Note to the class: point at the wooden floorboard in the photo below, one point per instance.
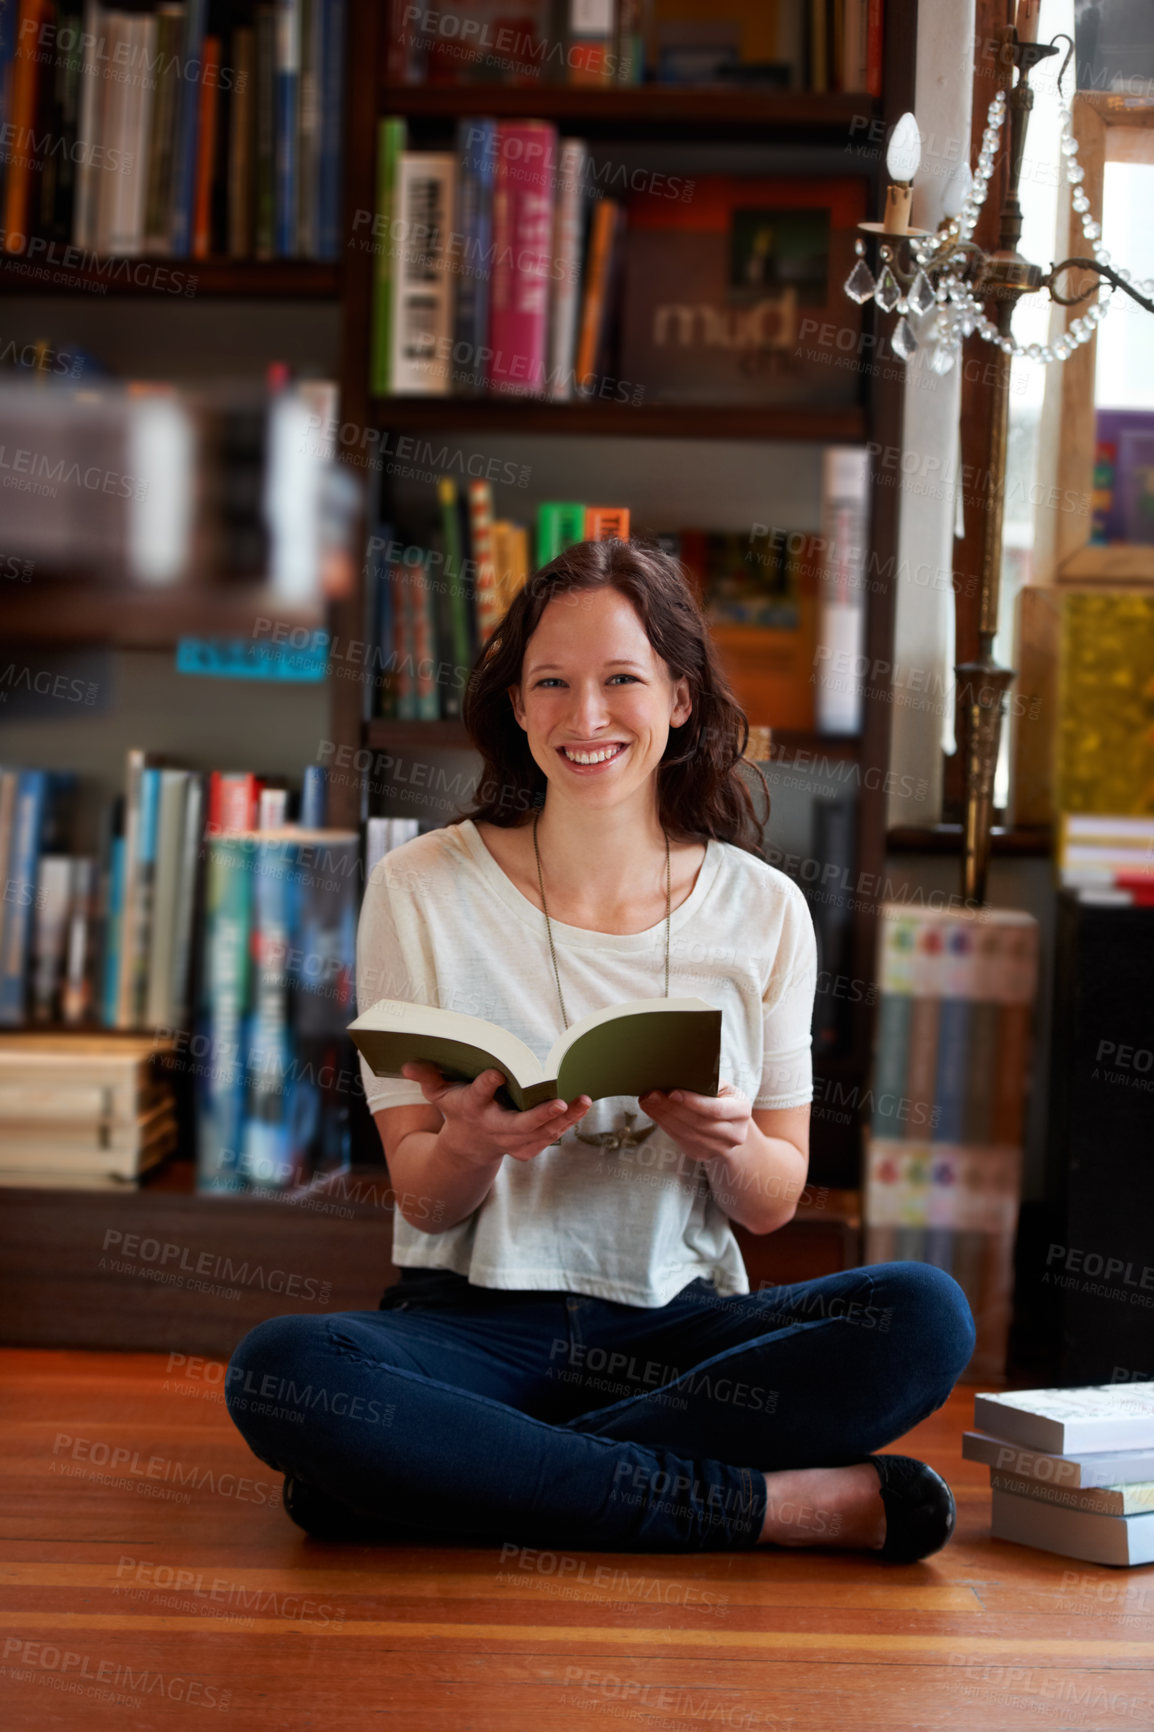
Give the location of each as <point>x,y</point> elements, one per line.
<point>132,1611</point>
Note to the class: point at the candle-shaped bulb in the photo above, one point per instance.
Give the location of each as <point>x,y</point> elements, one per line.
<point>1027,20</point>
<point>904,151</point>
<point>958,189</point>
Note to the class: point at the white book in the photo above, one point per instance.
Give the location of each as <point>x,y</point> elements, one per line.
<point>1086,1469</point>
<point>1095,1539</point>
<point>564,313</point>
<point>422,329</point>
<point>1134,1499</point>
<point>1102,1416</point>
<point>841,618</point>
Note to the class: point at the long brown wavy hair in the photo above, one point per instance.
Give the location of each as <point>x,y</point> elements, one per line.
<point>700,791</point>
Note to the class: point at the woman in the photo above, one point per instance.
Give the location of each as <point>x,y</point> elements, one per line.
<point>572,1354</point>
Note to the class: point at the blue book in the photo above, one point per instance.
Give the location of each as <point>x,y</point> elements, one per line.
<point>268,1155</point>
<point>331,83</point>
<point>224,1011</point>
<point>287,99</point>
<point>314,797</point>
<point>146,836</point>
<point>20,891</point>
<point>113,926</point>
<point>476,156</point>
<point>187,128</point>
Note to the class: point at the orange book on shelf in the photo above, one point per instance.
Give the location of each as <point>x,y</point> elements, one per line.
<point>22,87</point>
<point>601,228</point>
<point>206,149</point>
<point>607,523</point>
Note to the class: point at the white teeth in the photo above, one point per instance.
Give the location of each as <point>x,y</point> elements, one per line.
<point>592,757</point>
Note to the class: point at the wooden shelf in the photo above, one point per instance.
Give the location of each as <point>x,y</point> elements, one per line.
<point>689,111</point>
<point>521,415</point>
<point>1116,562</point>
<point>117,617</point>
<point>1034,841</point>
<point>169,281</point>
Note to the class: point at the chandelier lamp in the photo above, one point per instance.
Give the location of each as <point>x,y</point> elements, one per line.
<point>943,288</point>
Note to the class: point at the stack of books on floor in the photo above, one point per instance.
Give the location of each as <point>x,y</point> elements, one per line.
<point>1107,859</point>
<point>1072,1470</point>
<point>948,1101</point>
<point>83,1112</point>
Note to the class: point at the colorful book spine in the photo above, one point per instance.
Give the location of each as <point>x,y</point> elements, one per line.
<point>264,141</point>
<point>268,1109</point>
<point>476,157</point>
<point>334,29</point>
<point>560,523</point>
<point>220,1116</point>
<point>288,69</point>
<point>425,647</point>
<point>20,892</point>
<point>188,114</point>
<point>522,238</point>
<point>487,602</point>
<point>113,934</point>
<point>455,589</point>
<point>841,618</point>
<point>391,135</point>
<point>606,523</point>
<point>207,146</point>
<point>565,311</point>
<point>422,300</point>
<point>594,298</point>
<point>404,643</point>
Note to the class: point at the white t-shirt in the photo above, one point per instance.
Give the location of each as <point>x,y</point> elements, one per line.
<point>443,924</point>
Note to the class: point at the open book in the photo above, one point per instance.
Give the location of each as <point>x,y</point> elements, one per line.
<point>626,1049</point>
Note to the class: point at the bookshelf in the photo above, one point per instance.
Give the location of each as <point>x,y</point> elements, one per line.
<point>740,123</point>
<point>57,1302</point>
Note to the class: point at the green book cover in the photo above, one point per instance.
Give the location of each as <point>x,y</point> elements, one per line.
<point>626,1049</point>
<point>391,138</point>
<point>559,524</point>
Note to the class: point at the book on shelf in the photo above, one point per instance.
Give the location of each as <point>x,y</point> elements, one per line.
<point>1070,1469</point>
<point>725,294</point>
<point>626,1049</point>
<point>794,44</point>
<point>431,609</point>
<point>947,1101</point>
<point>841,631</point>
<point>423,286</point>
<point>84,1110</point>
<point>1102,852</point>
<point>759,593</point>
<point>276,987</point>
<point>242,161</point>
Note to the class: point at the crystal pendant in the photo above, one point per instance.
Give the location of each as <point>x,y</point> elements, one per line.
<point>859,285</point>
<point>942,359</point>
<point>903,342</point>
<point>888,292</point>
<point>921,294</point>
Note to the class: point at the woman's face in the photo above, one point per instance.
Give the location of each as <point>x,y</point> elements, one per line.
<point>592,683</point>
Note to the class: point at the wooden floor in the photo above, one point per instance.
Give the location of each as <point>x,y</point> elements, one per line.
<point>128,1610</point>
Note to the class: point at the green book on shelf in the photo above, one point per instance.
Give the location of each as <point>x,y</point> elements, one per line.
<point>626,1049</point>
<point>391,139</point>
<point>559,524</point>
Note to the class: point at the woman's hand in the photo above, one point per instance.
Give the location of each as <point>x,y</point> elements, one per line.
<point>704,1126</point>
<point>477,1129</point>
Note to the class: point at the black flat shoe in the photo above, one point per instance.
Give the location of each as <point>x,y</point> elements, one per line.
<point>326,1519</point>
<point>919,1506</point>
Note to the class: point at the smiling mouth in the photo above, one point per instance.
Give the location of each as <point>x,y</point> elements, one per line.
<point>588,758</point>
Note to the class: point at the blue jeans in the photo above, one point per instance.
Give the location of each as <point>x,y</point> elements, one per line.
<point>550,1418</point>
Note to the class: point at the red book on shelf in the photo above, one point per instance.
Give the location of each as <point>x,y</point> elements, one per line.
<point>233,801</point>
<point>874,48</point>
<point>206,149</point>
<point>22,87</point>
<point>522,239</point>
